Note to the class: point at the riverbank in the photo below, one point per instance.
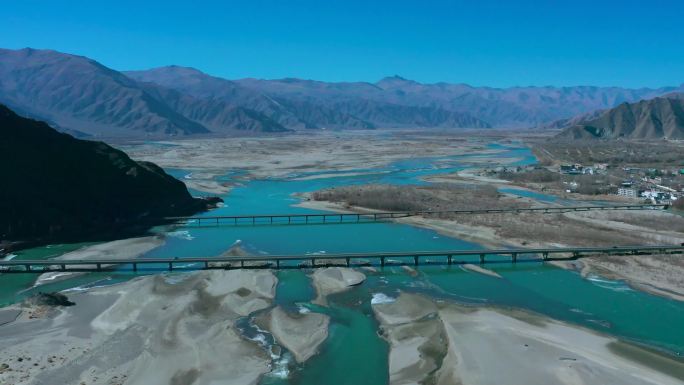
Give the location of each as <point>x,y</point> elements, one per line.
<point>444,343</point>
<point>655,274</point>
<point>128,332</point>
<point>170,328</point>
<point>321,152</point>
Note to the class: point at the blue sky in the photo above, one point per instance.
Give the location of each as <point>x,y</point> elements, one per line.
<point>494,43</point>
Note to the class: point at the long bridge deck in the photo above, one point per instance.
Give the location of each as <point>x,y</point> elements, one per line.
<point>354,259</point>
<point>297,218</point>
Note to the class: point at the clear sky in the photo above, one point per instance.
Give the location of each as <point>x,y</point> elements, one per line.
<point>501,43</point>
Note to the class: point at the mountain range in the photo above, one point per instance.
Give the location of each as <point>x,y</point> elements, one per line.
<point>83,97</point>
<point>657,118</point>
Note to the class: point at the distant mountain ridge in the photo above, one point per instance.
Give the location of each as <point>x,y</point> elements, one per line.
<point>513,107</point>
<point>77,94</point>
<point>657,118</point>
<point>303,111</point>
<point>81,96</point>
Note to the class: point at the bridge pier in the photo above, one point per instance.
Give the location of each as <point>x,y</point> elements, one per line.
<point>291,218</point>
<point>38,266</point>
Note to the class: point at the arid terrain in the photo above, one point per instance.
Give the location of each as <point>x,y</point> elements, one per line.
<point>424,335</point>
<point>286,156</point>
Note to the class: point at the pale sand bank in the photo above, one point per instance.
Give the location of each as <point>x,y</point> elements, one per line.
<point>163,329</point>
<point>480,270</point>
<point>490,346</point>
<point>301,334</point>
<point>120,249</point>
<point>331,280</point>
<point>415,336</point>
<point>278,157</point>
<point>338,175</point>
<point>661,275</point>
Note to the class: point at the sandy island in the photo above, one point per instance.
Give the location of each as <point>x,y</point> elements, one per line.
<point>163,329</point>
<point>332,280</point>
<point>445,344</point>
<point>301,334</point>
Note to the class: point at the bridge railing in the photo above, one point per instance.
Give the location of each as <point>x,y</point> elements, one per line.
<point>303,218</point>
<point>310,260</point>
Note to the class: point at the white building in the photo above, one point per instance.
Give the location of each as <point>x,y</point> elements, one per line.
<point>627,192</point>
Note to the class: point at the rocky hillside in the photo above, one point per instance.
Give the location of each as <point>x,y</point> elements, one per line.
<point>499,107</point>
<point>79,94</point>
<point>305,107</point>
<point>658,118</point>
<point>57,187</point>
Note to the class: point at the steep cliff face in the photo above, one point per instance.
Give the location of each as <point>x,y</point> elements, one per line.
<point>57,187</point>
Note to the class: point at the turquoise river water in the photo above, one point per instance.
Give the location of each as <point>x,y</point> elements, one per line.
<point>353,352</point>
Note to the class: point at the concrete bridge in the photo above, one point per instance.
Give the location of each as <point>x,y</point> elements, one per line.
<point>289,219</point>
<point>445,257</point>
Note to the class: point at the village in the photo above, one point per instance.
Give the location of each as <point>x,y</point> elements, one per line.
<point>649,185</point>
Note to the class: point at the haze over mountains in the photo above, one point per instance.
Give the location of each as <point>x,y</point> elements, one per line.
<point>82,96</point>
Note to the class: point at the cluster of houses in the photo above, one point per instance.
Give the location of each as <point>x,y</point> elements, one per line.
<point>653,185</point>
<point>651,192</point>
<point>578,169</point>
<point>650,184</point>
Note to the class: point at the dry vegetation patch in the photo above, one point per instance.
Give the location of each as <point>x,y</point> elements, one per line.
<point>435,197</point>
<point>656,154</point>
